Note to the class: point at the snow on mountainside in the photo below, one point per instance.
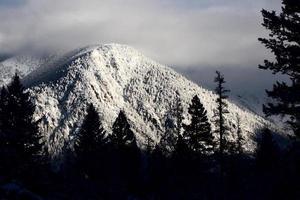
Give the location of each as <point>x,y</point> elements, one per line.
<point>113,78</point>
<point>22,64</point>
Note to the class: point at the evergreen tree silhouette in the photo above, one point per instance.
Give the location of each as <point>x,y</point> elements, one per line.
<point>90,143</point>
<point>221,127</point>
<point>127,154</point>
<point>173,127</point>
<point>284,43</point>
<point>267,151</point>
<point>21,145</point>
<point>168,140</point>
<point>3,108</point>
<point>178,114</point>
<point>122,134</point>
<point>240,138</point>
<point>198,134</point>
<point>181,165</point>
<point>157,171</point>
<point>181,157</point>
<point>3,125</point>
<point>181,149</point>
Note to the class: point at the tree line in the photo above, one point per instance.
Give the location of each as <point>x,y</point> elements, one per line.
<point>188,162</point>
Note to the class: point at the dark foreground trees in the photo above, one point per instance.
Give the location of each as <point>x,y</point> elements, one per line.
<point>284,43</point>
<point>221,111</point>
<point>90,145</point>
<point>20,141</point>
<point>126,155</point>
<point>267,151</point>
<point>198,134</point>
<point>112,166</point>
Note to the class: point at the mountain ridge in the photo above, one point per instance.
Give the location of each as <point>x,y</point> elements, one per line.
<point>116,77</point>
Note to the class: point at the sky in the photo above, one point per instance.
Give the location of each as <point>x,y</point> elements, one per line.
<point>180,33</point>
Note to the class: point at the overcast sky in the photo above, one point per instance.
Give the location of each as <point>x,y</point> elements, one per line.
<point>182,33</point>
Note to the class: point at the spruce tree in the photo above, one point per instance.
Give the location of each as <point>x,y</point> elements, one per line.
<point>168,140</point>
<point>173,126</point>
<point>198,134</point>
<point>3,125</point>
<point>284,43</point>
<point>3,108</point>
<point>20,138</point>
<point>181,149</point>
<point>90,143</point>
<point>182,163</point>
<point>157,170</point>
<point>126,154</point>
<point>221,127</point>
<point>178,114</point>
<point>122,134</point>
<point>221,111</point>
<point>240,139</point>
<point>267,151</point>
<point>91,133</point>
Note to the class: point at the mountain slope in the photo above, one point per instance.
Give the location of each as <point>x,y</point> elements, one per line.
<point>22,64</point>
<point>115,77</point>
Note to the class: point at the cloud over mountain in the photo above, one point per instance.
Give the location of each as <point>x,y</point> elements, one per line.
<point>181,33</point>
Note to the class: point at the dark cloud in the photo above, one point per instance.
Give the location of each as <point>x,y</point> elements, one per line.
<point>174,32</point>
<point>250,80</point>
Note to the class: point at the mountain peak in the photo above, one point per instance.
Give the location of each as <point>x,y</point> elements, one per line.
<point>117,77</point>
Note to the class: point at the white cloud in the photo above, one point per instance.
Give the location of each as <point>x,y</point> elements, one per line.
<point>213,32</point>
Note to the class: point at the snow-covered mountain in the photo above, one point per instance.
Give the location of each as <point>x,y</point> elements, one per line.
<point>117,77</point>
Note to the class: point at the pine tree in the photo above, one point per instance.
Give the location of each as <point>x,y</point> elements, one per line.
<point>21,141</point>
<point>122,134</point>
<point>127,153</point>
<point>173,126</point>
<point>182,163</point>
<point>90,142</point>
<point>267,151</point>
<point>178,114</point>
<point>240,139</point>
<point>221,111</point>
<point>91,135</point>
<point>181,149</point>
<point>168,140</point>
<point>3,125</point>
<point>221,127</point>
<point>157,170</point>
<point>198,134</point>
<point>284,42</point>
<point>3,108</point>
